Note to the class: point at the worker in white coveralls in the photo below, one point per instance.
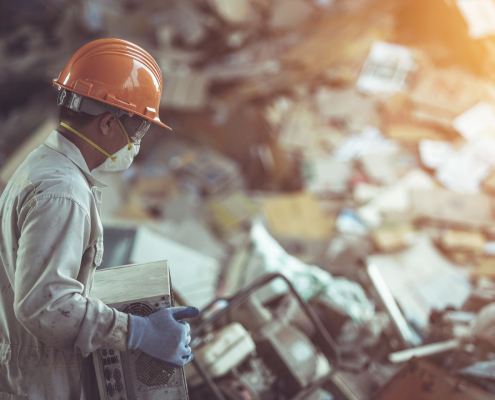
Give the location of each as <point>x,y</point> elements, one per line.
<point>51,236</point>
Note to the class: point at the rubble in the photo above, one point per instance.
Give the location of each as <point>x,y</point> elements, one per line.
<point>475,121</point>
<point>340,104</point>
<point>333,142</point>
<point>421,280</point>
<point>441,95</point>
<point>307,219</point>
<point>393,237</point>
<point>239,13</point>
<point>363,327</point>
<point>185,91</point>
<point>423,379</point>
<point>398,198</point>
<point>369,141</point>
<point>441,206</point>
<point>288,14</point>
<point>230,212</point>
<point>386,69</point>
<point>321,183</point>
<point>453,240</point>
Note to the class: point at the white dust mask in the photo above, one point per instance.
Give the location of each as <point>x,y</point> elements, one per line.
<point>119,161</point>
<point>123,159</point>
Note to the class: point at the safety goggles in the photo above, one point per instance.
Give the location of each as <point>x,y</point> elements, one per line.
<point>135,126</point>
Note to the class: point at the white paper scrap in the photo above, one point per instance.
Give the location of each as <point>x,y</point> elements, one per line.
<point>370,140</point>
<point>475,121</point>
<point>479,15</point>
<point>386,68</point>
<point>489,248</point>
<point>329,175</point>
<point>421,280</point>
<point>395,198</point>
<point>434,153</point>
<point>464,171</point>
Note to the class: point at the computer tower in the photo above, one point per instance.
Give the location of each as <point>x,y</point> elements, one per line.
<point>139,289</point>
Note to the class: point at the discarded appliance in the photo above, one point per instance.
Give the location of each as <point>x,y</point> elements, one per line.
<point>252,350</point>
<point>138,289</point>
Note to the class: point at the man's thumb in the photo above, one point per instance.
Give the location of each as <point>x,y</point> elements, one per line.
<point>185,312</point>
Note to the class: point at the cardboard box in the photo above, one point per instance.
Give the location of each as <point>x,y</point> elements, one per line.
<point>303,130</point>
<point>341,104</point>
<point>297,216</point>
<point>446,92</point>
<point>230,212</point>
<point>392,237</point>
<point>443,206</point>
<point>485,267</point>
<point>410,133</point>
<point>455,240</point>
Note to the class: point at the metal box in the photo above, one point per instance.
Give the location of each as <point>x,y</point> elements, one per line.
<point>139,289</point>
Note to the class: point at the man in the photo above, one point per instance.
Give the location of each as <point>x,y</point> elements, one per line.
<point>51,237</point>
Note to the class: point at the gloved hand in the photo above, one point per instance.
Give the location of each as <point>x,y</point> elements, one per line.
<point>162,335</point>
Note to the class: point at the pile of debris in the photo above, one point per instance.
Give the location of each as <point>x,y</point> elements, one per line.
<point>344,144</point>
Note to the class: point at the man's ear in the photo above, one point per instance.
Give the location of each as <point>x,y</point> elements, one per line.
<point>106,123</point>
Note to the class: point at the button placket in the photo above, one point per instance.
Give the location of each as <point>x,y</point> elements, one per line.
<point>99,242</point>
<point>97,196</point>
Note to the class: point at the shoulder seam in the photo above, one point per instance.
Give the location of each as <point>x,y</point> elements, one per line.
<point>61,196</point>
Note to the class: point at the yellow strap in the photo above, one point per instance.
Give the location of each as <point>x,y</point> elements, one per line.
<point>129,146</point>
<point>90,141</point>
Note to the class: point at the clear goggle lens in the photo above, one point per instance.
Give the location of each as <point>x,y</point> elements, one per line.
<point>136,127</point>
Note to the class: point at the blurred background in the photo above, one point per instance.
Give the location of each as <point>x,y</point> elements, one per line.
<point>346,144</point>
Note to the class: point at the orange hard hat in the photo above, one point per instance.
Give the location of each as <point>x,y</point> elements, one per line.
<point>116,72</point>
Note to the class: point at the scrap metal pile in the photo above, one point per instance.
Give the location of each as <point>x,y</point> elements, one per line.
<point>345,144</point>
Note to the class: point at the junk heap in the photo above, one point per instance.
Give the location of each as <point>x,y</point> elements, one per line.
<point>345,144</point>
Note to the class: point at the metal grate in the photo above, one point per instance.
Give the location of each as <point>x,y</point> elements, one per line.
<point>152,372</point>
<point>139,309</point>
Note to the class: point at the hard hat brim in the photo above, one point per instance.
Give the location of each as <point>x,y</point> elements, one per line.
<point>155,120</point>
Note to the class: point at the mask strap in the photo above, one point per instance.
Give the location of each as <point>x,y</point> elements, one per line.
<point>129,146</point>
<point>113,158</point>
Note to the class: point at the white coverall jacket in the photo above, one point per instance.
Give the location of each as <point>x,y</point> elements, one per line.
<point>51,241</point>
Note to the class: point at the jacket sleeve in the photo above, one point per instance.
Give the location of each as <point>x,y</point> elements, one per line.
<point>48,301</point>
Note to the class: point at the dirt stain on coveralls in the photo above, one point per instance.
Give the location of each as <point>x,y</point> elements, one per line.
<point>7,286</point>
<point>64,313</point>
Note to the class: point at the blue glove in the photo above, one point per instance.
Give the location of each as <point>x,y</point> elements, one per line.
<point>162,335</point>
